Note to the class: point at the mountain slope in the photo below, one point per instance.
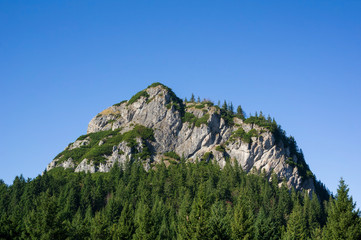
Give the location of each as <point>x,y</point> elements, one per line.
<point>155,125</point>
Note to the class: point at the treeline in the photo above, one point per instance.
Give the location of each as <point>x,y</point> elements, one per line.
<point>181,201</point>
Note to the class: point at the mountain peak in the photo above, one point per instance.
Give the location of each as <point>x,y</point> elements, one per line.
<point>156,126</point>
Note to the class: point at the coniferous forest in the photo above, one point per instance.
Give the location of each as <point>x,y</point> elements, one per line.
<point>181,201</point>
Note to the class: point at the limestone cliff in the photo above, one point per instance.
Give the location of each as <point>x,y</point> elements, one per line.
<point>155,125</point>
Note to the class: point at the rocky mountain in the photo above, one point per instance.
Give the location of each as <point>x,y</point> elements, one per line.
<point>155,126</point>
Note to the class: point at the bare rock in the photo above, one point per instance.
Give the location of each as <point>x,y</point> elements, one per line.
<point>159,109</point>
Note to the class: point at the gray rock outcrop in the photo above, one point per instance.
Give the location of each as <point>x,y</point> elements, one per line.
<point>207,136</point>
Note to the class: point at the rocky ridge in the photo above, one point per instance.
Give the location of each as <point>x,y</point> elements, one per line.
<point>155,125</point>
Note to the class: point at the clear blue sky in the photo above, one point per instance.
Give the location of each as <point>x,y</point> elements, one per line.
<point>62,62</point>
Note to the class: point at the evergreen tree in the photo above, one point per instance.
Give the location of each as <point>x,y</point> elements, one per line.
<point>192,98</point>
<point>219,221</point>
<point>180,201</point>
<point>313,211</point>
<point>99,226</point>
<point>225,106</point>
<point>343,221</point>
<point>44,223</point>
<point>231,109</point>
<point>143,223</point>
<point>79,227</point>
<point>297,224</point>
<point>242,224</point>
<point>198,227</point>
<point>240,112</point>
<point>125,227</point>
<point>264,227</point>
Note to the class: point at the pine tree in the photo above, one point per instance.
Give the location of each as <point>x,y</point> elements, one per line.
<point>297,224</point>
<point>343,221</point>
<point>164,231</point>
<point>264,227</point>
<point>192,98</point>
<point>231,109</point>
<point>198,227</point>
<point>99,226</point>
<point>240,112</point>
<point>219,221</point>
<point>43,223</point>
<point>225,106</point>
<point>313,211</point>
<point>125,227</point>
<point>78,228</point>
<point>143,223</point>
<point>242,224</point>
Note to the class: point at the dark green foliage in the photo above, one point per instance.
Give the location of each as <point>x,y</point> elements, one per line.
<point>118,104</point>
<point>343,221</point>
<point>227,116</point>
<point>207,156</point>
<point>227,113</point>
<point>192,98</point>
<point>244,136</point>
<point>172,155</point>
<point>201,105</point>
<point>201,120</point>
<point>220,148</point>
<point>262,122</point>
<point>94,151</point>
<point>137,96</point>
<point>82,137</point>
<point>240,113</point>
<point>192,119</point>
<point>182,201</point>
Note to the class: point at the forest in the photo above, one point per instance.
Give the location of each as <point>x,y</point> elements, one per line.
<point>177,201</point>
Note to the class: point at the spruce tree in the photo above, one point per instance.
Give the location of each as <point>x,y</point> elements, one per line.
<point>192,98</point>
<point>231,109</point>
<point>225,106</point>
<point>343,221</point>
<point>240,112</point>
<point>297,224</point>
<point>242,224</point>
<point>219,221</point>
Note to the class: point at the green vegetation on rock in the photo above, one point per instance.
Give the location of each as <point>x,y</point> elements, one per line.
<point>137,96</point>
<point>207,156</point>
<point>243,135</point>
<point>96,151</point>
<point>172,155</point>
<point>192,119</point>
<point>220,148</point>
<point>283,141</point>
<point>201,105</point>
<point>261,121</point>
<point>118,104</point>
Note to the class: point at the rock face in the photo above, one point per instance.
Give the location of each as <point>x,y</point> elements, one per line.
<point>195,131</point>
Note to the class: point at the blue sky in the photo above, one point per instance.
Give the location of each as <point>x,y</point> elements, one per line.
<point>62,62</point>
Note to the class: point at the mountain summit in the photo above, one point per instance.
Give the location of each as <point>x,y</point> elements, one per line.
<point>155,125</point>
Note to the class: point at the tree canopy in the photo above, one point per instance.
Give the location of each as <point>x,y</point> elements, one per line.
<point>181,201</point>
